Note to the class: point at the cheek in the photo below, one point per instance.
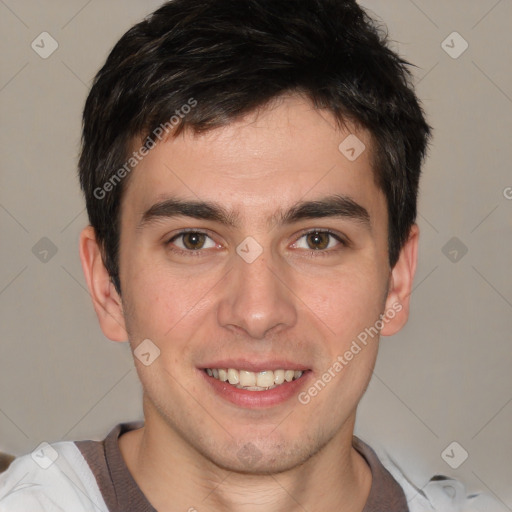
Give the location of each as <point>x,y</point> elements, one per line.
<point>350,307</point>
<point>163,302</point>
<point>347,302</point>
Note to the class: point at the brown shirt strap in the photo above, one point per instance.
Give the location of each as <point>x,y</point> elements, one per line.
<point>386,495</point>
<point>120,491</point>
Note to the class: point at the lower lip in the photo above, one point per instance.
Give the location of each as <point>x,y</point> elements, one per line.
<point>257,399</point>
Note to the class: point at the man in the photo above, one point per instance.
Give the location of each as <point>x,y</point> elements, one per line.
<point>250,169</point>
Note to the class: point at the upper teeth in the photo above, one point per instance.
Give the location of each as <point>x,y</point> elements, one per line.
<point>246,379</point>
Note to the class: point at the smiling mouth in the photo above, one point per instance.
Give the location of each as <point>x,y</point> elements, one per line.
<point>254,381</point>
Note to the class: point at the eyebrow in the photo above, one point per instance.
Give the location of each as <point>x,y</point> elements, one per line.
<point>335,206</point>
<point>331,206</point>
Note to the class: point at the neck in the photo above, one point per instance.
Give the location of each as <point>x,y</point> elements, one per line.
<point>174,476</point>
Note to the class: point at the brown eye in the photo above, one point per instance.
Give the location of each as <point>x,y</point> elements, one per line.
<point>193,241</point>
<point>323,242</point>
<point>318,240</point>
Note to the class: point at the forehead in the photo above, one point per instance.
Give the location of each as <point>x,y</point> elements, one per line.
<point>272,158</point>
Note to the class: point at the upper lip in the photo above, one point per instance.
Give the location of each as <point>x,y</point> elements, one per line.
<point>254,366</point>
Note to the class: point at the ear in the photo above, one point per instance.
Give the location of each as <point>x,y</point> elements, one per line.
<point>106,300</point>
<point>400,285</point>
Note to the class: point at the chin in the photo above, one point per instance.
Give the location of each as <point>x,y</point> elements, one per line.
<point>263,457</point>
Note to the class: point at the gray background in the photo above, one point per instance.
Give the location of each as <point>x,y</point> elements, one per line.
<point>447,377</point>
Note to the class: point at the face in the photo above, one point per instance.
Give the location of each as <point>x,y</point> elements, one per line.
<point>255,247</point>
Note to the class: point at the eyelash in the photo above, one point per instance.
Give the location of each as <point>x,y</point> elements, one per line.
<point>196,253</point>
<point>310,252</point>
<point>314,253</point>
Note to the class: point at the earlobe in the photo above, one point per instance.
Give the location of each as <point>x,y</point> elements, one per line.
<point>106,300</point>
<point>400,286</point>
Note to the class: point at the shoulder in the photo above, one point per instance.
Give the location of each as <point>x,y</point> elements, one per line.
<point>53,478</point>
<point>440,494</point>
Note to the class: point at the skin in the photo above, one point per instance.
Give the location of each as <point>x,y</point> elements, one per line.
<point>292,302</point>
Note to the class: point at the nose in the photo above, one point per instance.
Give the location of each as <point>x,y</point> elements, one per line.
<point>256,299</point>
